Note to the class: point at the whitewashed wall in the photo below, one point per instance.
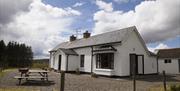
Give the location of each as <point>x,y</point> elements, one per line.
<point>87,58</point>
<point>73,62</point>
<point>140,64</point>
<point>56,60</point>
<point>132,45</point>
<point>51,62</point>
<point>170,68</point>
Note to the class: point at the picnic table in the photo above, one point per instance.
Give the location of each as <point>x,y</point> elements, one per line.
<point>32,74</point>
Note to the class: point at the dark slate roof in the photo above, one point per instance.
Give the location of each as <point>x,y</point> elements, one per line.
<point>109,37</point>
<point>69,51</point>
<point>169,53</point>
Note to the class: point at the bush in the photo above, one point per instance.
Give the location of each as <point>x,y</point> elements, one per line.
<point>175,88</point>
<point>77,71</point>
<point>94,75</point>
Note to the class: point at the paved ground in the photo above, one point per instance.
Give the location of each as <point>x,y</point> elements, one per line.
<point>87,83</point>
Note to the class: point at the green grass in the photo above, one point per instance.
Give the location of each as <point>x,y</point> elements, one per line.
<point>2,74</point>
<point>173,87</point>
<point>39,65</point>
<point>21,89</point>
<point>5,71</point>
<point>17,89</point>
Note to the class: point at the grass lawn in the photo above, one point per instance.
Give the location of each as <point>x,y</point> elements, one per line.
<point>16,89</point>
<point>169,88</point>
<point>20,89</point>
<point>2,74</point>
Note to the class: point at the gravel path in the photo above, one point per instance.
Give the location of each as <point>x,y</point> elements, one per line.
<point>87,83</point>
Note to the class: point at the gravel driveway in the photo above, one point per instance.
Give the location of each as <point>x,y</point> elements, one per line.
<point>85,82</point>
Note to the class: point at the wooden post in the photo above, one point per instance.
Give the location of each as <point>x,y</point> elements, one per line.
<point>164,80</point>
<point>134,76</point>
<point>62,80</point>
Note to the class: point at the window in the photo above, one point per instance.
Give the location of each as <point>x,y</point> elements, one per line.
<point>81,60</point>
<point>167,61</point>
<point>105,60</point>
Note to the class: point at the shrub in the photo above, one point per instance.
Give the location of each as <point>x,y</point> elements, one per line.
<point>175,88</point>
<point>77,71</point>
<point>94,75</point>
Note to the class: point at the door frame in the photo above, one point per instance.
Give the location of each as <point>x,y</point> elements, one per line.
<point>59,62</point>
<point>142,63</point>
<point>131,62</point>
<point>136,63</point>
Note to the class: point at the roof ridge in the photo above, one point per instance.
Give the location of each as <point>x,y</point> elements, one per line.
<point>105,33</point>
<point>96,38</point>
<point>169,48</point>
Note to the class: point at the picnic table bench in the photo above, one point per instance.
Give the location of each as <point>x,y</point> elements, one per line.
<point>39,74</point>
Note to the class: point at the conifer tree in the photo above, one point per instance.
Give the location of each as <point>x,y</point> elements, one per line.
<point>3,62</point>
<point>17,55</point>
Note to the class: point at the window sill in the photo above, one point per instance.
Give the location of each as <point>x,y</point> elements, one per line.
<point>108,70</point>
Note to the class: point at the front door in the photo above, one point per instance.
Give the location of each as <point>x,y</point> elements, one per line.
<point>133,64</point>
<point>136,64</point>
<point>59,66</point>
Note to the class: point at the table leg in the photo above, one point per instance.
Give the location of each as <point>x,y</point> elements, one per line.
<point>20,81</point>
<point>21,74</point>
<point>46,76</point>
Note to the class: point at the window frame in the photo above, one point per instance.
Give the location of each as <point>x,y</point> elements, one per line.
<point>167,61</point>
<point>82,58</point>
<point>109,61</point>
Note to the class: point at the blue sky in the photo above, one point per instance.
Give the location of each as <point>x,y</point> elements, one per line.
<point>89,8</point>
<point>50,22</point>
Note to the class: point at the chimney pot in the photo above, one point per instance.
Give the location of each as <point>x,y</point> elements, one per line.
<point>72,38</point>
<point>86,34</point>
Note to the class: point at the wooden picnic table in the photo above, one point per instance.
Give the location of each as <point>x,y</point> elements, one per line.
<point>32,74</point>
<point>43,73</point>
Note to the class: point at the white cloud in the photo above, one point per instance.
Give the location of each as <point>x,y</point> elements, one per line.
<point>40,28</point>
<point>103,5</point>
<point>160,46</point>
<point>156,20</point>
<point>78,4</point>
<point>8,8</point>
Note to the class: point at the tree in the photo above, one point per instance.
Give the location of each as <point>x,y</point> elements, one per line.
<point>3,61</point>
<point>19,55</point>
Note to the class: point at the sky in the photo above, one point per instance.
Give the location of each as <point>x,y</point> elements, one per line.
<point>43,24</point>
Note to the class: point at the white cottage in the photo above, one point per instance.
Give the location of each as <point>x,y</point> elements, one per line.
<point>169,60</point>
<point>110,54</point>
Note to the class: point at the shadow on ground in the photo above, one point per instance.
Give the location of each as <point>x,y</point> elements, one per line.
<point>158,78</point>
<point>37,83</point>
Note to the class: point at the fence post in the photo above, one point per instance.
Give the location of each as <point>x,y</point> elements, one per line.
<point>164,80</point>
<point>62,80</point>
